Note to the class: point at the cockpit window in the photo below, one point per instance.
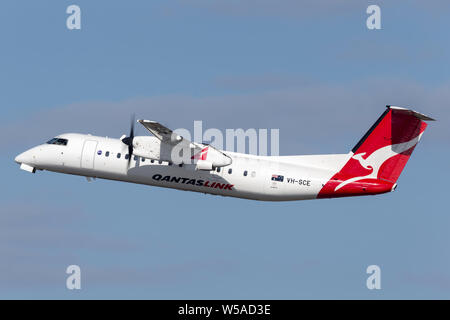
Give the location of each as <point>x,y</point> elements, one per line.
<point>58,141</point>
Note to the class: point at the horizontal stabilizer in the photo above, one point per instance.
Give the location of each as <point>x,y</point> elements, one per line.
<point>419,115</point>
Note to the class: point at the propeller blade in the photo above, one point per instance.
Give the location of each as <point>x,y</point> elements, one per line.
<point>130,145</point>
<point>129,140</point>
<point>132,125</point>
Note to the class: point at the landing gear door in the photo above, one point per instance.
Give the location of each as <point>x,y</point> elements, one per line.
<point>217,173</point>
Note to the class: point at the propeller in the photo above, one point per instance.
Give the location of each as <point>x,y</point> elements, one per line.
<point>129,140</point>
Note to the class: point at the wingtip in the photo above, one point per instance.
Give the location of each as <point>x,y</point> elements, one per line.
<point>146,121</point>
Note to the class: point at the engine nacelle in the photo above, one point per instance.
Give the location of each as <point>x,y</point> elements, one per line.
<point>147,147</point>
<point>218,158</point>
<point>204,165</point>
<point>183,152</point>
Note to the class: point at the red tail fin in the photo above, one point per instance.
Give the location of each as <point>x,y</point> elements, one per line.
<point>380,156</point>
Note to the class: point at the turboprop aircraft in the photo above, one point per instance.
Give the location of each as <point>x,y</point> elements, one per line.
<point>166,159</point>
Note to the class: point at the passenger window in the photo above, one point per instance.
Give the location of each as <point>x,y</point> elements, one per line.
<point>127,156</point>
<point>160,162</point>
<point>245,173</point>
<point>143,159</point>
<point>180,165</point>
<point>218,169</point>
<point>99,152</point>
<point>118,156</point>
<point>230,171</point>
<point>135,158</point>
<point>107,154</point>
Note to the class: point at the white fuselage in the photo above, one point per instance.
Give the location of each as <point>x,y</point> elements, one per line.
<point>248,176</point>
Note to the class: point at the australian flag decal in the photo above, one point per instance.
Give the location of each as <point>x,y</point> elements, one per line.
<point>276,177</point>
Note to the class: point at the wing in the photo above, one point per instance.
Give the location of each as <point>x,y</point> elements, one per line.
<point>196,151</point>
<point>161,132</point>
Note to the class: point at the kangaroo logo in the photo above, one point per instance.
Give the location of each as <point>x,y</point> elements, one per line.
<point>377,158</point>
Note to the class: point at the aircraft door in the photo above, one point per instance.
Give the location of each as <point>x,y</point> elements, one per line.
<point>88,154</point>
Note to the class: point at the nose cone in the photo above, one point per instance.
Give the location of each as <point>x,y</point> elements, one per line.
<point>24,157</point>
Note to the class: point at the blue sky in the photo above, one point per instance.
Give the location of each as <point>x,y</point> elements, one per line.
<point>310,68</point>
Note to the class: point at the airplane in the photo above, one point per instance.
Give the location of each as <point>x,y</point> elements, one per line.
<point>166,159</point>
